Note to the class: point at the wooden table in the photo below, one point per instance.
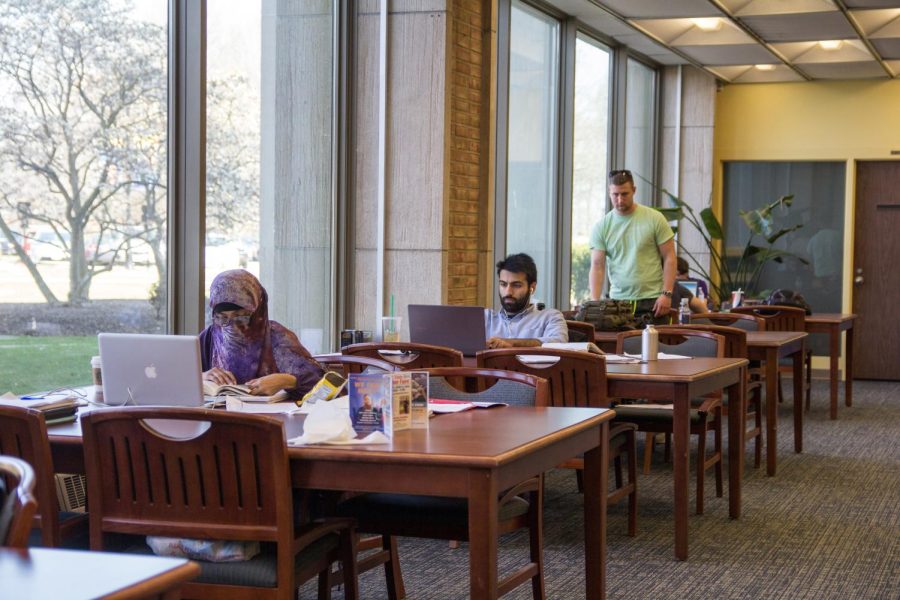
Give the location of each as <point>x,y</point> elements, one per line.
<point>474,455</point>
<point>833,324</point>
<point>45,573</point>
<point>771,346</point>
<point>679,381</point>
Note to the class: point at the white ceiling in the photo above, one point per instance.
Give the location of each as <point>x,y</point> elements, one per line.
<point>756,41</point>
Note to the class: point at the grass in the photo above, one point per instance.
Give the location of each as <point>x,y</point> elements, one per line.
<point>31,364</point>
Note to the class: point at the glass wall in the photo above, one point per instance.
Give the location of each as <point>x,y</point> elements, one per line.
<point>83,172</point>
<point>640,124</point>
<point>269,175</point>
<point>816,267</point>
<point>531,153</point>
<point>590,154</point>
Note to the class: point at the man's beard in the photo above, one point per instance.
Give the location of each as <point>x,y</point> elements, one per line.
<point>513,306</point>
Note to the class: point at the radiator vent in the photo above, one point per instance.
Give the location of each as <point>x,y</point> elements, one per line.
<point>71,493</point>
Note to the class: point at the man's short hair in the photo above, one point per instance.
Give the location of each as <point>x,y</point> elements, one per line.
<point>620,177</point>
<point>519,263</point>
<point>683,267</point>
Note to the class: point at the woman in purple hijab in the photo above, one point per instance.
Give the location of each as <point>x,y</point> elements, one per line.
<point>244,346</point>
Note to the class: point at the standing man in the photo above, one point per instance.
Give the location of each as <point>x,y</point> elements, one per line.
<point>631,239</point>
<point>519,323</point>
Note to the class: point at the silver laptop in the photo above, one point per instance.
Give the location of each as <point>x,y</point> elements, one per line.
<point>459,327</point>
<point>151,370</point>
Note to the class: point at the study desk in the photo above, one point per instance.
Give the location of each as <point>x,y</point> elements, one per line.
<point>770,347</point>
<point>49,573</point>
<point>833,324</point>
<point>474,455</point>
<point>678,381</point>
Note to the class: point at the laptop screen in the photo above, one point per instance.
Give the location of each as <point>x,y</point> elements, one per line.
<point>690,286</point>
<point>458,327</point>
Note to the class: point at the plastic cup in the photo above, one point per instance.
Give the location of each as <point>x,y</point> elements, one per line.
<point>97,378</point>
<point>390,329</point>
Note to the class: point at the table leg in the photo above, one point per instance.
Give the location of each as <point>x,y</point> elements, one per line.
<point>848,368</point>
<point>834,348</point>
<point>596,467</point>
<point>771,410</point>
<point>737,410</point>
<point>799,381</point>
<point>483,532</point>
<point>681,467</point>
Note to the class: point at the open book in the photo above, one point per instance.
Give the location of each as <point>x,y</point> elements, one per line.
<point>440,405</point>
<point>241,391</point>
<point>579,346</point>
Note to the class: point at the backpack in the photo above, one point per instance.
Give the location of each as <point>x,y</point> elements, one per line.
<point>609,315</point>
<point>784,297</point>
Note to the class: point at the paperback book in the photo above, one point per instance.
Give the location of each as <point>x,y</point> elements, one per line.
<point>370,403</point>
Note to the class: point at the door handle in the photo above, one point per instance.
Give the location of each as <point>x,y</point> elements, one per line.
<point>859,280</point>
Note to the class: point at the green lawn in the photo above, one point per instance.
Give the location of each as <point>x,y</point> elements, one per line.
<point>31,364</point>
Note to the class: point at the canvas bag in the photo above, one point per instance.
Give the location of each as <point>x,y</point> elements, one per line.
<point>609,315</point>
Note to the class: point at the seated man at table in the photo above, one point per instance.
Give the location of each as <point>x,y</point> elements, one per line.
<point>520,323</point>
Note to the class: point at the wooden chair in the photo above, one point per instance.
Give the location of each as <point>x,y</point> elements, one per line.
<point>736,347</point>
<point>231,481</point>
<point>413,357</point>
<point>579,331</point>
<point>18,504</point>
<point>783,318</point>
<point>446,518</point>
<point>23,433</point>
<point>345,364</point>
<point>578,379</point>
<point>656,419</point>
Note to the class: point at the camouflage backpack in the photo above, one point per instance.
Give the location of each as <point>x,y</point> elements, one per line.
<point>609,315</point>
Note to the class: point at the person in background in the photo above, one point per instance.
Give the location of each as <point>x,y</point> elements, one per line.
<point>684,274</point>
<point>520,323</point>
<point>630,240</point>
<point>243,346</point>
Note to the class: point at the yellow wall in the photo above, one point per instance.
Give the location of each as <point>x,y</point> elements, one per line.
<point>836,121</point>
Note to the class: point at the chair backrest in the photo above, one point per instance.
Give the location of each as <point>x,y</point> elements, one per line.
<point>735,339</point>
<point>575,378</point>
<point>345,364</point>
<point>18,506</point>
<point>676,340</point>
<point>230,482</point>
<point>488,385</point>
<point>730,319</point>
<point>579,331</point>
<point>414,356</point>
<point>776,318</point>
<point>23,434</point>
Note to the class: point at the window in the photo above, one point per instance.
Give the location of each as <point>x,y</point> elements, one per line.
<point>640,121</point>
<point>531,188</point>
<point>83,158</point>
<point>269,172</point>
<point>590,154</point>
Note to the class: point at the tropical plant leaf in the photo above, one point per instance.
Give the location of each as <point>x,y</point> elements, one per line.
<point>671,214</point>
<point>713,227</point>
<point>759,221</point>
<point>773,238</point>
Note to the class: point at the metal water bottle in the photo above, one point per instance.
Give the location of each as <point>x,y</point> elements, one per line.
<point>649,343</point>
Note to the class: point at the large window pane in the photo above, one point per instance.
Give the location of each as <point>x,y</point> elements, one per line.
<point>82,183</point>
<point>269,155</point>
<point>818,189</point>
<point>640,122</point>
<point>590,160</point>
<point>531,151</point>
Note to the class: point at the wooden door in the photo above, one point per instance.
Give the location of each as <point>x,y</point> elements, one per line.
<point>876,276</point>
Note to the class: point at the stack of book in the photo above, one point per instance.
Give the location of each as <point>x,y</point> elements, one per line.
<point>57,411</point>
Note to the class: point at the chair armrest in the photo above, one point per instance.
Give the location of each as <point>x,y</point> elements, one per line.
<point>307,534</point>
<point>709,403</point>
<point>529,485</point>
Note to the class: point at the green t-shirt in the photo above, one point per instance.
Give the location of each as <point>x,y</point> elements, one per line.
<point>631,243</point>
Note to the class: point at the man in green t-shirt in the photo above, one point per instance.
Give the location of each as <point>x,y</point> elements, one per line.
<point>628,243</point>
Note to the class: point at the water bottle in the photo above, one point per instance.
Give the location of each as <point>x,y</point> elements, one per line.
<point>649,343</point>
<point>684,312</point>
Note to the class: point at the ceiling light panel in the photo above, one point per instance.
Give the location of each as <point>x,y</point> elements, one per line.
<point>743,8</point>
<point>741,54</point>
<point>845,70</point>
<point>887,48</point>
<point>639,9</point>
<point>812,52</point>
<point>685,32</point>
<point>802,28</point>
<point>870,3</point>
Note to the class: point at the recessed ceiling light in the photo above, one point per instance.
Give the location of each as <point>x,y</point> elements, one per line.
<point>831,44</point>
<point>708,23</point>
<point>765,67</point>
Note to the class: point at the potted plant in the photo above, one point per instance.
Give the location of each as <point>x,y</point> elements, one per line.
<point>728,273</point>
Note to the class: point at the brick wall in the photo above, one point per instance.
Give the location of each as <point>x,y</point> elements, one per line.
<point>466,150</point>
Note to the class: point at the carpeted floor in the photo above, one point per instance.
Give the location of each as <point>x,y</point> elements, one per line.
<point>827,526</point>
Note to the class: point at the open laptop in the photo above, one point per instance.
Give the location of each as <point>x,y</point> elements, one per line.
<point>459,327</point>
<point>689,285</point>
<point>151,370</point>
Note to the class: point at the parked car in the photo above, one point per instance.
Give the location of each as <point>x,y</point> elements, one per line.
<point>47,245</point>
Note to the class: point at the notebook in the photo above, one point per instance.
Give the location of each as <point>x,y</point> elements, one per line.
<point>458,327</point>
<point>151,370</point>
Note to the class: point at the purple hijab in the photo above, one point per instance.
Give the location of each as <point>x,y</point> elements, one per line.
<point>265,347</point>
